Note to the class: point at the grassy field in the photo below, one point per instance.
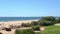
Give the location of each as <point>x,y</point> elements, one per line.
<point>50,30</point>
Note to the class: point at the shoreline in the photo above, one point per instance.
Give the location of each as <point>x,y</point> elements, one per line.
<point>20,20</point>
<point>7,24</point>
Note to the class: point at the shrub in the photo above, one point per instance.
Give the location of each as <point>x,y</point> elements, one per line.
<point>12,26</point>
<point>15,26</point>
<point>26,24</point>
<point>48,18</point>
<point>8,29</point>
<point>27,31</point>
<point>36,28</point>
<point>34,23</point>
<point>17,32</point>
<point>46,21</point>
<point>19,26</point>
<point>58,20</point>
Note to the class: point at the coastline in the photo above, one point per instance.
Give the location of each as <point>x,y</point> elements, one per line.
<point>19,20</point>
<point>8,23</point>
<point>22,20</point>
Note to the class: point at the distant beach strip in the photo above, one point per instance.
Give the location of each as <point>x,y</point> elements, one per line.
<point>5,19</point>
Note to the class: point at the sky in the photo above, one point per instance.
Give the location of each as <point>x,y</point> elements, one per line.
<point>29,8</point>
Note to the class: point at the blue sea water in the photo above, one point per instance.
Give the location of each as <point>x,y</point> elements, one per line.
<point>18,18</point>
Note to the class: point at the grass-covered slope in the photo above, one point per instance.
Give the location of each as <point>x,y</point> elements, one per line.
<point>51,30</point>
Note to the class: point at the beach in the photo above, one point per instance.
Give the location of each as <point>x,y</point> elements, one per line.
<point>8,23</point>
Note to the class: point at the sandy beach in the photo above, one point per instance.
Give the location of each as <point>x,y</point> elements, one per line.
<point>6,24</point>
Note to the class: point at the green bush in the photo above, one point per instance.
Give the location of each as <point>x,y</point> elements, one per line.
<point>27,31</point>
<point>58,20</point>
<point>46,21</point>
<point>48,18</point>
<point>17,32</point>
<point>36,28</point>
<point>26,25</point>
<point>34,23</point>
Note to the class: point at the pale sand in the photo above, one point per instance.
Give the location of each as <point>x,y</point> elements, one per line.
<point>58,24</point>
<point>8,32</point>
<point>6,24</point>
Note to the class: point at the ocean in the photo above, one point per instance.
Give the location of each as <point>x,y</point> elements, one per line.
<point>18,18</point>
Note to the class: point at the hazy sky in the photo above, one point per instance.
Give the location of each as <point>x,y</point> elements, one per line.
<point>29,8</point>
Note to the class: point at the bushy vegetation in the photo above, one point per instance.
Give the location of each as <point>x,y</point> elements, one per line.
<point>48,18</point>
<point>26,25</point>
<point>48,30</point>
<point>34,23</point>
<point>27,31</point>
<point>12,26</point>
<point>58,20</point>
<point>36,28</point>
<point>46,21</point>
<point>15,26</point>
<point>8,29</point>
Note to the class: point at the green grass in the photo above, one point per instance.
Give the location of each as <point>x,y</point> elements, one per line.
<point>48,30</point>
<point>51,30</point>
<point>27,31</point>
